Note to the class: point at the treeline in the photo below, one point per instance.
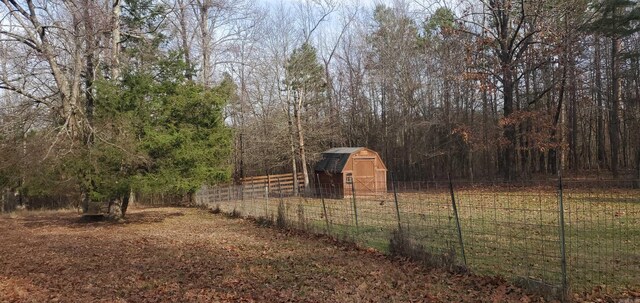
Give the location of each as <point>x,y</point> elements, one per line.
<point>102,97</point>
<point>488,89</point>
<point>96,107</point>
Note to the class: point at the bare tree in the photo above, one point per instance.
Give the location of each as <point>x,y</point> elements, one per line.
<point>115,39</point>
<point>219,25</point>
<point>60,47</point>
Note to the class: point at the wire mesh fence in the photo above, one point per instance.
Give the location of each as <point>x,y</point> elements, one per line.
<point>546,237</point>
<point>603,234</point>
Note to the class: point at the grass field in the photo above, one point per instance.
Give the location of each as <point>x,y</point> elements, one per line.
<point>511,233</point>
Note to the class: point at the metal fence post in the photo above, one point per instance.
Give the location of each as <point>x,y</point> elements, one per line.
<point>266,195</point>
<point>253,199</point>
<point>455,211</point>
<point>563,251</point>
<point>284,216</point>
<point>2,199</point>
<point>243,205</point>
<point>355,208</point>
<point>395,197</point>
<point>324,206</point>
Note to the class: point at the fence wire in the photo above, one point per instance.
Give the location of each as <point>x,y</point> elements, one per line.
<point>493,229</point>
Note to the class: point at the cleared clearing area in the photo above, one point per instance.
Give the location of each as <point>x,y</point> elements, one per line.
<point>190,255</point>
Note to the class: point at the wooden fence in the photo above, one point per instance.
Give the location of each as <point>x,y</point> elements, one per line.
<point>274,183</point>
<point>260,186</point>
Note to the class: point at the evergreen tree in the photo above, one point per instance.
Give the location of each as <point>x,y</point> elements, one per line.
<point>305,79</point>
<point>155,130</point>
<point>162,134</point>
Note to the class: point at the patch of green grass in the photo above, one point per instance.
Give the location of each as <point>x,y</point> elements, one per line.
<point>514,234</point>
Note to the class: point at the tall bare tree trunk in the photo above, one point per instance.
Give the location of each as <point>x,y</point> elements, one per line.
<point>600,137</point>
<point>294,166</point>
<point>303,158</point>
<point>184,37</point>
<point>573,118</point>
<point>292,145</point>
<point>510,129</point>
<point>115,40</point>
<point>205,41</point>
<point>91,45</point>
<point>614,117</point>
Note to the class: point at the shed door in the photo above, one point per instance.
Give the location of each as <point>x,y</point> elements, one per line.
<point>364,175</point>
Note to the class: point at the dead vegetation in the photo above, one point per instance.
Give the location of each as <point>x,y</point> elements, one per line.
<point>190,255</point>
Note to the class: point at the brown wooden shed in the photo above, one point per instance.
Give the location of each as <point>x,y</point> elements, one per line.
<point>344,167</point>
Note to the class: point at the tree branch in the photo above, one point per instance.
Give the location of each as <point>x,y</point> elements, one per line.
<point>22,92</point>
<point>26,41</point>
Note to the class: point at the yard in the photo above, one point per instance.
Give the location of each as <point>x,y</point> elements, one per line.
<point>191,255</point>
<point>513,233</point>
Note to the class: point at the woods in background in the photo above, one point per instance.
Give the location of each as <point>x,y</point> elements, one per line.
<point>101,97</point>
<point>482,89</point>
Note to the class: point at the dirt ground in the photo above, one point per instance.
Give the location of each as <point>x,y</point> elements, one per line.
<point>191,255</point>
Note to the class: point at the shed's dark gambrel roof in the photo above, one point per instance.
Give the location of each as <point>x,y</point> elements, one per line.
<point>334,160</point>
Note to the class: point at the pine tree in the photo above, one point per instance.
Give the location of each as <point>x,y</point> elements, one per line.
<point>305,79</point>
<point>615,19</point>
